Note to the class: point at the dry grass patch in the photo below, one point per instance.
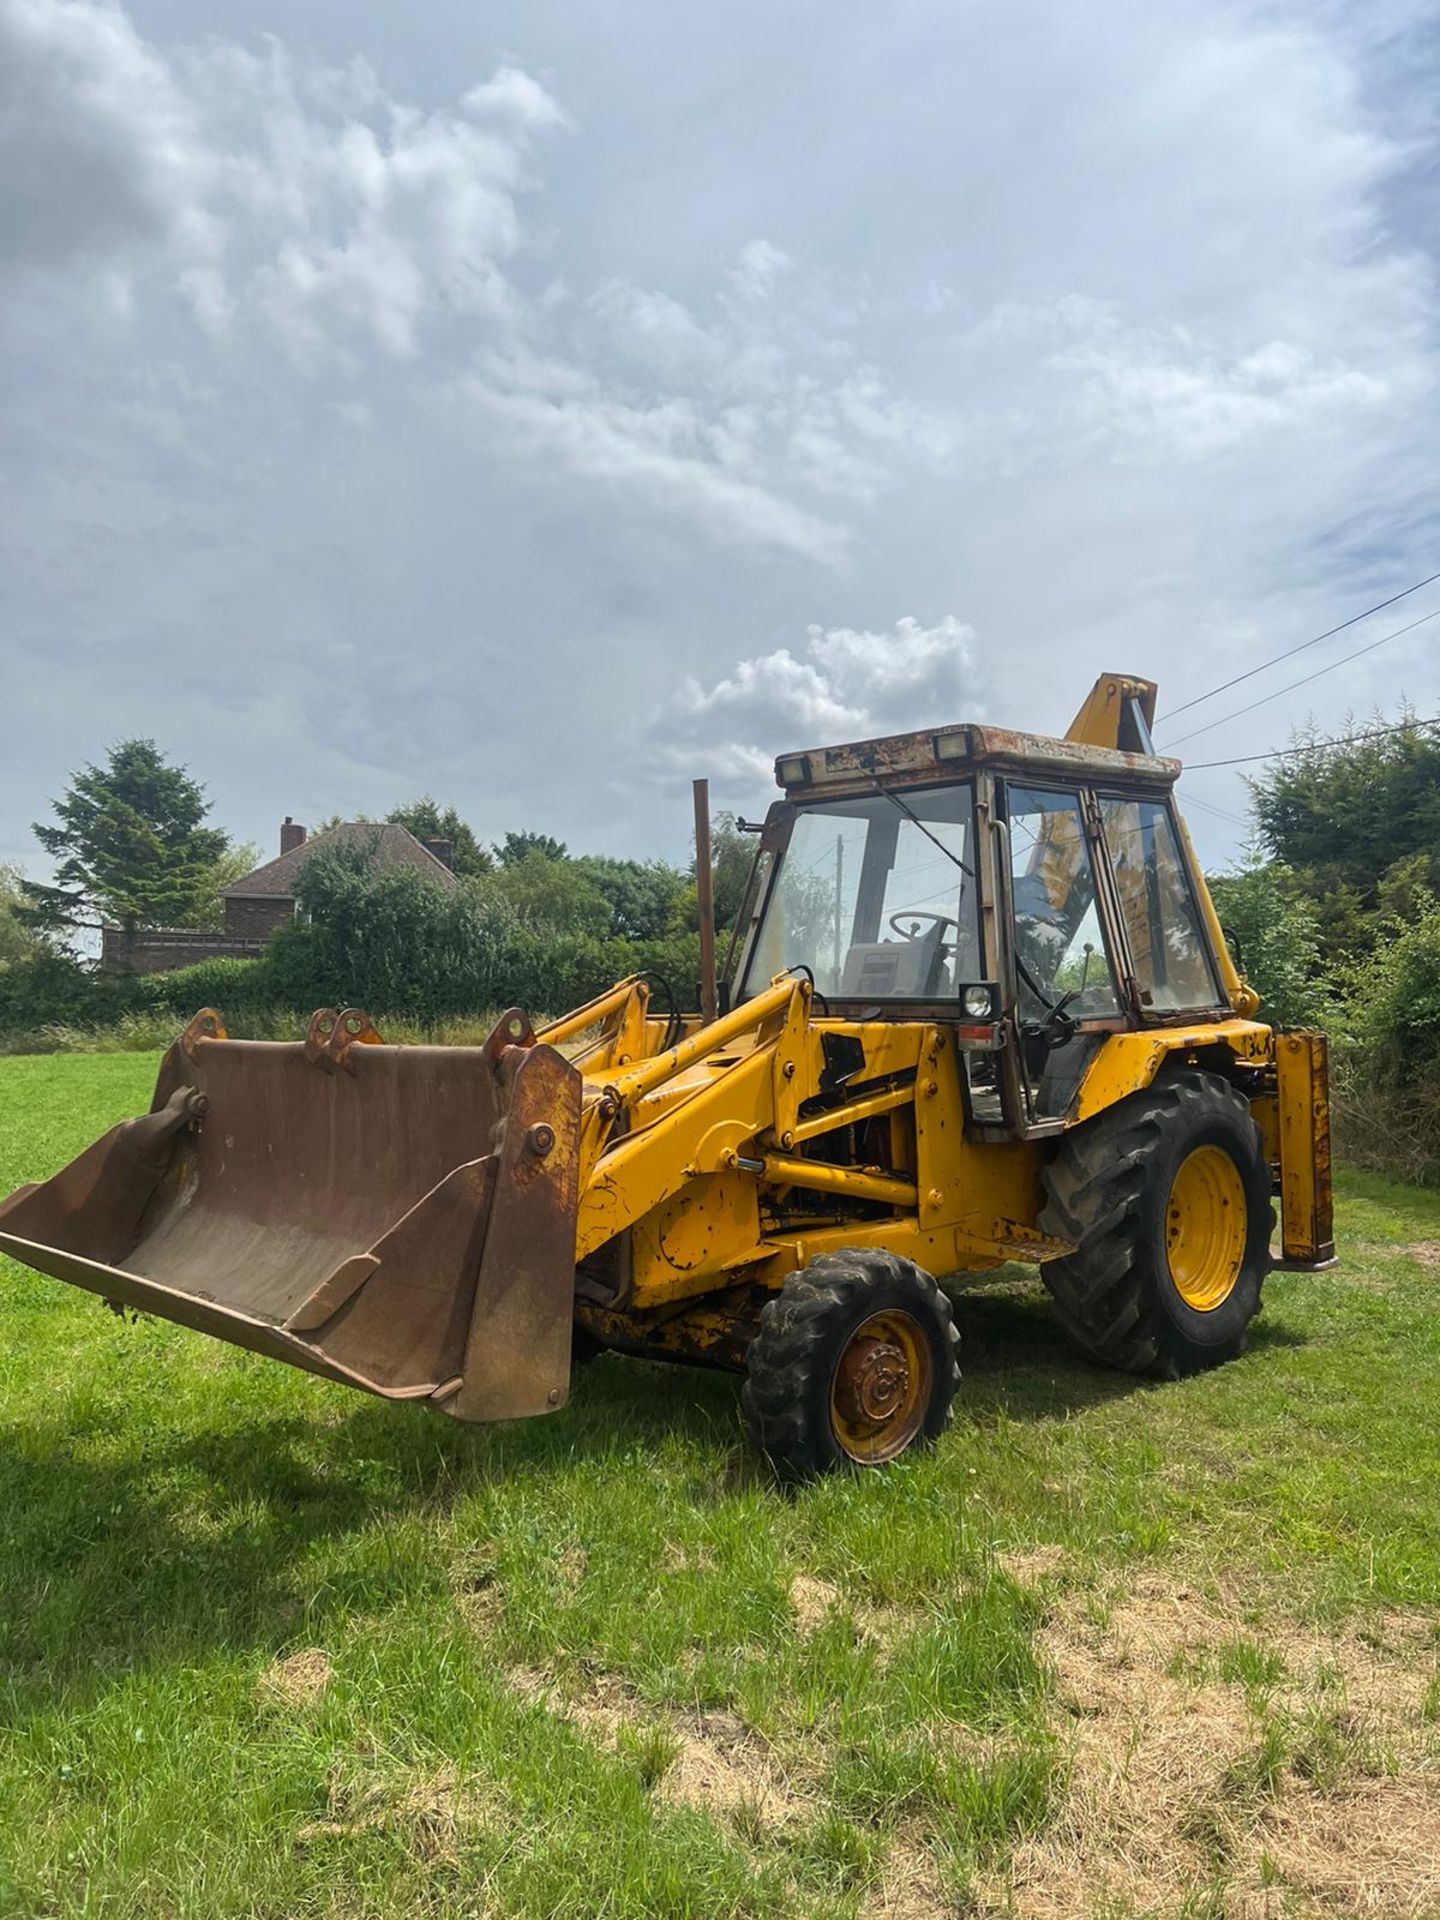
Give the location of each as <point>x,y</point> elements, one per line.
<point>1290,1769</point>
<point>298,1678</point>
<point>722,1767</point>
<point>909,1887</point>
<point>812,1601</point>
<point>710,1761</point>
<point>433,1809</point>
<point>1427,1252</point>
<point>1032,1565</point>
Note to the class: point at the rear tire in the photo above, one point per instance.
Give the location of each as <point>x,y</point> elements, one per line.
<point>853,1365</point>
<point>1166,1198</point>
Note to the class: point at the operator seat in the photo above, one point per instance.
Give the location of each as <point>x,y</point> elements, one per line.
<point>896,969</point>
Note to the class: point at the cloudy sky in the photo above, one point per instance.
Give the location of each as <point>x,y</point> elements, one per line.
<point>538,404</point>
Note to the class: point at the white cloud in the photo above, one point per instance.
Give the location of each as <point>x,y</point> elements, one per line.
<point>747,423</point>
<point>306,202</point>
<point>757,269</point>
<point>512,95</point>
<point>658,453</point>
<point>270,189</point>
<point>98,146</point>
<point>845,683</point>
<point>1164,401</point>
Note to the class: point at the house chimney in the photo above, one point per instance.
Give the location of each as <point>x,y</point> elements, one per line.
<point>443,850</point>
<point>291,836</point>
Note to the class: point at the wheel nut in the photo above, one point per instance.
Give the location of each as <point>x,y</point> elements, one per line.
<point>540,1139</point>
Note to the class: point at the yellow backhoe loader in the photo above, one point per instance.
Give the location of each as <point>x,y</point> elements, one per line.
<point>982,1010</point>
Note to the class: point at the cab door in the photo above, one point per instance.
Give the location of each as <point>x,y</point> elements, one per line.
<point>1065,983</point>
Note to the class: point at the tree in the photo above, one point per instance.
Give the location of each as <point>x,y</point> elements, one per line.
<point>429,821</point>
<point>130,847</point>
<point>519,846</point>
<point>732,855</point>
<point>642,895</point>
<point>550,894</point>
<point>17,938</point>
<point>234,863</point>
<point>1395,1000</point>
<point>1358,825</point>
<point>1277,929</point>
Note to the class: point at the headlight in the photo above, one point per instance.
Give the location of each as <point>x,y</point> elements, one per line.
<point>977,1003</point>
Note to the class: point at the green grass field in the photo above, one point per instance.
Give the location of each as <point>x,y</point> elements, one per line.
<point>270,1648</point>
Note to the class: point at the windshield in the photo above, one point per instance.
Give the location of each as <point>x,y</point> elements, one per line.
<point>876,896</point>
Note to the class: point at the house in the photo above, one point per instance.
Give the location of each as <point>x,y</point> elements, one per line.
<point>261,901</point>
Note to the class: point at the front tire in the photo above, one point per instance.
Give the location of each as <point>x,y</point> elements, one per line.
<point>1166,1198</point>
<point>853,1365</point>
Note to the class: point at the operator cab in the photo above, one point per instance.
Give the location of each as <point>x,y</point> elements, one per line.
<point>1031,894</point>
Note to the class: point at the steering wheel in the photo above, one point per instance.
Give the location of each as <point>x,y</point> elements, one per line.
<point>915,916</point>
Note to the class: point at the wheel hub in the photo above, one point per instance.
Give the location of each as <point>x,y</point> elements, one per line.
<point>1206,1228</point>
<point>874,1379</point>
<point>881,1387</point>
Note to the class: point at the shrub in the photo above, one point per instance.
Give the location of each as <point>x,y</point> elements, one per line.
<point>1277,930</point>
<point>1395,1000</point>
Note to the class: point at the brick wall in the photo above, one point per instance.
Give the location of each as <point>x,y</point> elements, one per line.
<point>254,918</point>
<point>164,949</point>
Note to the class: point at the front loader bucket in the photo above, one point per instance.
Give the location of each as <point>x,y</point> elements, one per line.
<point>398,1218</point>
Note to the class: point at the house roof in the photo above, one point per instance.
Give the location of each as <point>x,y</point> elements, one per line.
<point>394,847</point>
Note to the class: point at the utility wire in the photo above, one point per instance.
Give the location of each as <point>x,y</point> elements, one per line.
<point>1328,634</point>
<point>1206,806</point>
<point>1310,746</point>
<point>1279,692</point>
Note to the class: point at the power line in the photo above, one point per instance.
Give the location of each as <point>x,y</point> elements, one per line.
<point>1206,806</point>
<point>1319,672</point>
<point>1310,746</point>
<point>1328,634</point>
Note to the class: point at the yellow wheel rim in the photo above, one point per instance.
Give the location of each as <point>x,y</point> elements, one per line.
<point>1205,1228</point>
<point>881,1389</point>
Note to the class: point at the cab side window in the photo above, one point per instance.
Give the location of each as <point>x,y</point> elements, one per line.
<point>1059,944</point>
<point>1162,920</point>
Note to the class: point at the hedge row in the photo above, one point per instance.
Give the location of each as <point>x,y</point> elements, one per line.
<point>394,943</point>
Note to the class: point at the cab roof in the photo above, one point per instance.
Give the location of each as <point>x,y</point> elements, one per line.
<point>946,753</point>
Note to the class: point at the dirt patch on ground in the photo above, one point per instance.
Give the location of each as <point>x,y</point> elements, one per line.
<point>1292,1768</point>
<point>1427,1252</point>
<point>908,1888</point>
<point>434,1808</point>
<point>606,1705</point>
<point>812,1601</point>
<point>681,1559</point>
<point>721,1767</point>
<point>716,1762</point>
<point>479,1594</point>
<point>572,1567</point>
<point>299,1678</point>
<point>1031,1565</point>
